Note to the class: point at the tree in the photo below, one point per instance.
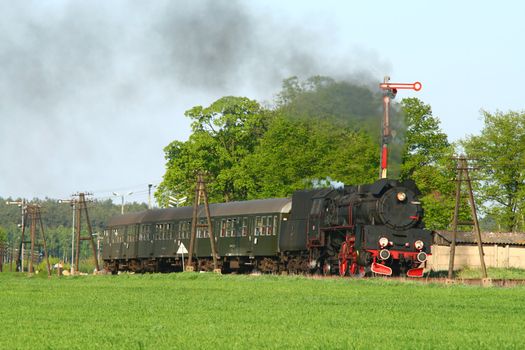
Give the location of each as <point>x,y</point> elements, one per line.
<point>315,133</point>
<point>223,134</point>
<point>3,235</point>
<point>295,155</point>
<point>3,245</point>
<point>500,153</point>
<point>427,159</point>
<point>322,97</point>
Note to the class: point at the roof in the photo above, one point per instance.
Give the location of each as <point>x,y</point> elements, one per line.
<point>510,238</point>
<point>260,206</point>
<point>127,219</point>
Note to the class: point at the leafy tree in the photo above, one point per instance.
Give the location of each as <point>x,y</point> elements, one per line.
<point>296,154</point>
<point>427,159</point>
<point>314,133</point>
<point>500,153</point>
<point>321,97</point>
<point>223,135</point>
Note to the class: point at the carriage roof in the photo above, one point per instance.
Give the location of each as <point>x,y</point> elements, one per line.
<point>241,208</point>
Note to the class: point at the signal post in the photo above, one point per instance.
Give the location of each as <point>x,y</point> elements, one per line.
<point>389,93</point>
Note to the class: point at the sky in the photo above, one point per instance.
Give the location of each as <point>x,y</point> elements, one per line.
<point>91,92</point>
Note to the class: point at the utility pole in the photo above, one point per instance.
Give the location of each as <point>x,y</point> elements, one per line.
<point>149,195</point>
<point>462,169</point>
<point>201,194</point>
<point>389,93</point>
<point>22,205</point>
<point>79,205</point>
<point>82,205</point>
<point>34,214</point>
<point>72,202</point>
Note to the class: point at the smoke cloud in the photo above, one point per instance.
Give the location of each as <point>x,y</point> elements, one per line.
<point>91,92</point>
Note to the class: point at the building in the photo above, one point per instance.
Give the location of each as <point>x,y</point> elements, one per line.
<point>501,249</point>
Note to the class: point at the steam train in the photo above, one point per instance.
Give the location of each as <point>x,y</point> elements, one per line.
<point>356,230</point>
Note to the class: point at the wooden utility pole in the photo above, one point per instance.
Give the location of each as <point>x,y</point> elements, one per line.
<point>201,194</point>
<point>81,205</point>
<point>462,168</point>
<point>33,214</point>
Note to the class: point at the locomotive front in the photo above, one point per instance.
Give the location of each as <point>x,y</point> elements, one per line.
<point>387,233</point>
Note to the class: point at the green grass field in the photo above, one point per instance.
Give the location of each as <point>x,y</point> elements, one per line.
<point>206,311</point>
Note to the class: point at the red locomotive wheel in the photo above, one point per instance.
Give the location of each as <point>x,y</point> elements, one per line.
<point>343,267</point>
<point>343,261</point>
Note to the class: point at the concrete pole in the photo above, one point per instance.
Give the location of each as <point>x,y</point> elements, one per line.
<point>73,240</point>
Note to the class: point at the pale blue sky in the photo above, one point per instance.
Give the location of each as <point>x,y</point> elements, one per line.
<point>91,92</point>
<point>468,54</point>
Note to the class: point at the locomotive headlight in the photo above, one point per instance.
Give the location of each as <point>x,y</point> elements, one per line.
<point>383,242</point>
<point>384,254</point>
<point>419,244</point>
<point>401,196</point>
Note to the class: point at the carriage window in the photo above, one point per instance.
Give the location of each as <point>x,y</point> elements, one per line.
<point>131,233</point>
<point>238,227</point>
<point>230,228</point>
<point>188,229</point>
<point>172,231</point>
<point>157,231</point>
<point>144,235</point>
<point>274,225</point>
<point>316,207</point>
<point>244,230</point>
<point>199,229</point>
<point>223,228</point>
<point>136,230</point>
<point>184,229</point>
<point>176,231</point>
<point>202,231</point>
<point>264,225</point>
<point>258,225</point>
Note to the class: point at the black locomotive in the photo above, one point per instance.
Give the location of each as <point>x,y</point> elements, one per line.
<point>355,230</point>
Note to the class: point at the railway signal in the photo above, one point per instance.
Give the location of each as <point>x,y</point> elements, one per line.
<point>389,93</point>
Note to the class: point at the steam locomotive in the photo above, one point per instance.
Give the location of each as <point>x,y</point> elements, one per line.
<point>355,230</point>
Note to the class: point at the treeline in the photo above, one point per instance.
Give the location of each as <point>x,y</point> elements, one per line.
<point>57,221</point>
<point>322,131</point>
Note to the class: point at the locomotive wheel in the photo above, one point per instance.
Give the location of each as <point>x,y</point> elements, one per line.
<point>343,261</point>
<point>343,267</point>
<point>357,270</point>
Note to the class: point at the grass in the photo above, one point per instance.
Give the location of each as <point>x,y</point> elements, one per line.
<point>206,311</point>
<point>492,272</point>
